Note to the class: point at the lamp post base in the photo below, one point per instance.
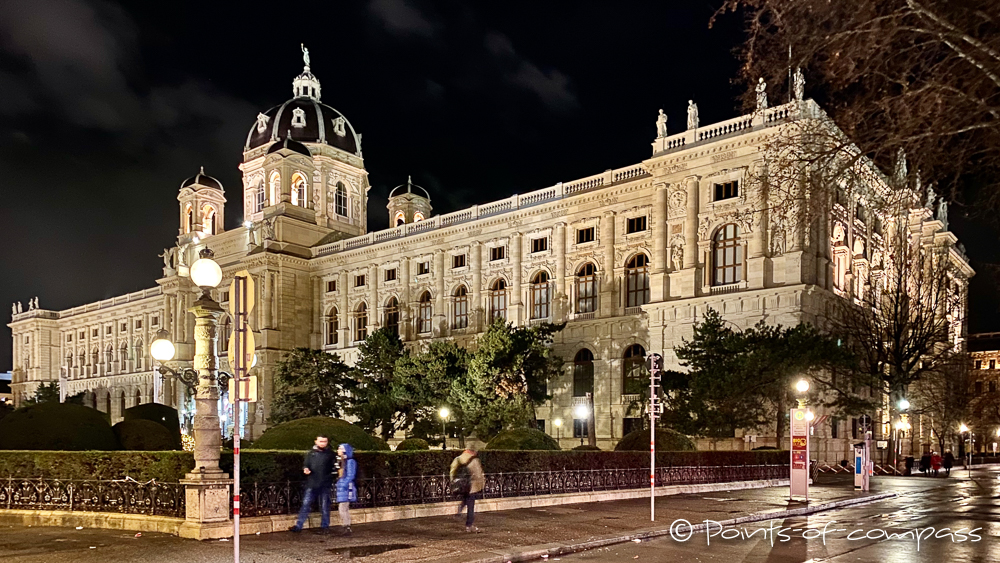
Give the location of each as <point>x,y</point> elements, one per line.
<point>207,496</point>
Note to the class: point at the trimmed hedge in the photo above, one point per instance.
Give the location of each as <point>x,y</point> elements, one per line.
<point>412,444</point>
<point>145,435</point>
<point>670,440</point>
<point>161,414</point>
<point>586,448</point>
<point>277,466</point>
<point>56,426</point>
<point>301,434</point>
<point>523,439</point>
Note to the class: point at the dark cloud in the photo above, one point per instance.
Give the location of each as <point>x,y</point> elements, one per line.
<point>400,17</point>
<point>552,86</point>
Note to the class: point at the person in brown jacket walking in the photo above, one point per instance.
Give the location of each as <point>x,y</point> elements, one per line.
<point>467,481</point>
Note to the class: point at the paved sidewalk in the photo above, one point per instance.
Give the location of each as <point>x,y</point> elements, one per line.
<point>425,539</point>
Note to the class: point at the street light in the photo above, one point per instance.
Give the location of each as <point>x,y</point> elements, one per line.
<point>962,429</point>
<point>904,404</point>
<point>802,387</point>
<point>444,412</point>
<point>558,423</point>
<point>580,413</point>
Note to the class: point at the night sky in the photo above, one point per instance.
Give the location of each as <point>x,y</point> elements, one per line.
<point>106,108</point>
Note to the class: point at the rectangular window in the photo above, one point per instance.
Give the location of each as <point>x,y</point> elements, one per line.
<point>462,309</point>
<point>155,321</point>
<point>497,253</point>
<point>854,429</point>
<point>224,296</point>
<point>979,388</point>
<point>331,286</point>
<point>458,261</point>
<point>979,364</point>
<point>993,386</point>
<point>580,428</point>
<point>423,268</point>
<point>82,335</point>
<point>124,327</point>
<point>69,338</point>
<point>539,244</point>
<point>727,190</point>
<point>835,428</point>
<point>107,330</point>
<point>390,274</point>
<point>359,281</point>
<point>585,235</point>
<point>138,325</point>
<point>94,333</point>
<point>993,364</point>
<point>635,225</point>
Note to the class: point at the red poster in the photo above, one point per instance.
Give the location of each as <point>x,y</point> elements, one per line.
<point>799,444</point>
<point>798,460</point>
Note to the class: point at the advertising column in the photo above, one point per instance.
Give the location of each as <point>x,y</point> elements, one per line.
<point>799,474</point>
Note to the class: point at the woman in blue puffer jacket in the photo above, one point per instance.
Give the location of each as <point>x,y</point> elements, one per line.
<point>346,493</point>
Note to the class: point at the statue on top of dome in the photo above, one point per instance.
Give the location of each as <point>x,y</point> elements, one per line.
<point>305,55</point>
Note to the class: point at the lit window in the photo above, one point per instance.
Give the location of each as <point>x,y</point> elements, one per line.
<point>188,218</point>
<point>275,188</point>
<point>727,190</point>
<point>400,218</point>
<point>635,224</point>
<point>260,197</point>
<point>637,281</point>
<point>298,190</point>
<point>208,220</point>
<point>727,255</point>
<point>461,307</point>
<point>426,312</point>
<point>418,216</point>
<point>586,289</point>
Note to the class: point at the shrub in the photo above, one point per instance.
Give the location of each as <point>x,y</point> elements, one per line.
<point>587,448</point>
<point>161,414</point>
<point>522,439</point>
<point>667,440</point>
<point>145,435</point>
<point>410,444</point>
<point>765,448</point>
<point>56,426</point>
<point>301,434</point>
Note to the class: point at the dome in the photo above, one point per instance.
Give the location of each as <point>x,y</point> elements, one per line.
<point>201,180</point>
<point>305,120</point>
<point>289,144</point>
<point>409,188</point>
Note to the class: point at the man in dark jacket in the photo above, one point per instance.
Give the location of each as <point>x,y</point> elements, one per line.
<point>318,467</point>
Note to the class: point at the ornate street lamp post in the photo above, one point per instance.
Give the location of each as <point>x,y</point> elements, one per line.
<point>444,413</point>
<point>558,423</point>
<point>581,412</point>
<point>207,486</point>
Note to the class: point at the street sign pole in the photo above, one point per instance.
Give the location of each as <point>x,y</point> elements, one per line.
<point>241,353</point>
<point>655,365</point>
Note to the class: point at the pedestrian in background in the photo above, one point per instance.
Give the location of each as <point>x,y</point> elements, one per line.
<point>935,463</point>
<point>948,462</point>
<point>318,468</point>
<point>468,481</point>
<point>346,492</point>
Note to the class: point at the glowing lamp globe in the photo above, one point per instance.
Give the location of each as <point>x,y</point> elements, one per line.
<point>810,415</point>
<point>205,272</point>
<point>903,404</point>
<point>963,428</point>
<point>802,386</point>
<point>162,349</point>
<point>581,411</point>
<point>444,412</point>
<point>558,422</point>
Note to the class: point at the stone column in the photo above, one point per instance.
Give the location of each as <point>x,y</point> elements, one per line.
<point>318,312</point>
<point>691,224</point>
<point>266,308</point>
<point>440,327</point>
<point>559,249</point>
<point>608,299</point>
<point>404,298</point>
<point>515,290</point>
<point>374,318</point>
<point>207,486</point>
<point>476,252</point>
<point>324,182</point>
<point>658,280</point>
<point>345,313</point>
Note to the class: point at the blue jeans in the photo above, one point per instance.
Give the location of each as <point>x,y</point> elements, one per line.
<point>470,501</point>
<point>310,494</point>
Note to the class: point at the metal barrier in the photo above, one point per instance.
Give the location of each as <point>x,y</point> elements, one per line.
<point>126,496</point>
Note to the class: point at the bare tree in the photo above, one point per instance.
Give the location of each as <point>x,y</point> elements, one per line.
<point>942,399</point>
<point>917,75</point>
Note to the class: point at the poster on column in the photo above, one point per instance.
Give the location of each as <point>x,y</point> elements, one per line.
<point>799,474</point>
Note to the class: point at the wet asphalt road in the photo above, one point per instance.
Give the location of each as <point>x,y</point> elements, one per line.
<point>941,515</point>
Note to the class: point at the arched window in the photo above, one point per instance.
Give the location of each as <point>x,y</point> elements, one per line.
<point>461,307</point>
<point>634,380</point>
<point>138,398</point>
<point>392,315</point>
<point>540,296</point>
<point>188,218</point>
<point>95,358</point>
<point>109,356</point>
<point>260,197</point>
<point>583,373</point>
<point>107,402</point>
<point>208,220</point>
<point>340,200</point>
<point>138,354</point>
<point>332,327</point>
<point>586,289</point>
<point>123,357</point>
<point>275,188</point>
<point>225,334</point>
<point>727,255</point>
<point>81,358</point>
<point>418,216</point>
<point>361,323</point>
<point>426,313</point>
<point>400,218</point>
<point>121,404</point>
<point>637,281</point>
<point>498,300</point>
<point>298,190</point>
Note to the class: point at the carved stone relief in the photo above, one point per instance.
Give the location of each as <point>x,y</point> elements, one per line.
<point>676,202</point>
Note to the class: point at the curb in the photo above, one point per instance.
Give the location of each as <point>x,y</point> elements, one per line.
<point>531,553</point>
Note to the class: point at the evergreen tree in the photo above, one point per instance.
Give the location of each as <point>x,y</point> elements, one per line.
<point>310,383</point>
<point>375,371</point>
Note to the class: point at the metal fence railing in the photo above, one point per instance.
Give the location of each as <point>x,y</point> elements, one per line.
<point>126,496</point>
